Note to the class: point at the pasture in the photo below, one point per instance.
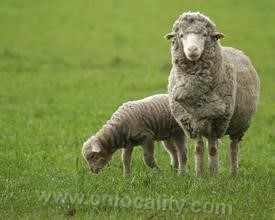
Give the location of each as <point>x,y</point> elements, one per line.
<point>65,67</point>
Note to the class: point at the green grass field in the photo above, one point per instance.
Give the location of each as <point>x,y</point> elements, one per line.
<point>65,66</point>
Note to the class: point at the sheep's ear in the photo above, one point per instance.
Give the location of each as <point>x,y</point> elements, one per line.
<point>170,35</point>
<point>218,35</point>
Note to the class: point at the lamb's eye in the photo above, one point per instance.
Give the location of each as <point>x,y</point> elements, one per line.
<point>101,159</point>
<point>205,34</point>
<point>181,35</point>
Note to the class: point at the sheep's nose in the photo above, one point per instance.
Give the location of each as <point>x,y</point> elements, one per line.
<point>192,49</point>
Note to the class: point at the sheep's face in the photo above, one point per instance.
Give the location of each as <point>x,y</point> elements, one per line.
<point>193,43</point>
<point>94,154</point>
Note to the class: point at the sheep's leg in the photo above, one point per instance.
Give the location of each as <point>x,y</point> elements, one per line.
<point>199,151</point>
<point>148,154</point>
<point>181,146</point>
<point>213,159</point>
<point>234,151</point>
<point>171,149</point>
<point>126,159</point>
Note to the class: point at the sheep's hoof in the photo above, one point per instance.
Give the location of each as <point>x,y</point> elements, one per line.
<point>234,172</point>
<point>181,171</point>
<point>157,169</point>
<point>126,174</point>
<point>214,172</point>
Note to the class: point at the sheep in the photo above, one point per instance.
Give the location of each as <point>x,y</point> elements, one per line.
<point>138,122</point>
<point>213,90</point>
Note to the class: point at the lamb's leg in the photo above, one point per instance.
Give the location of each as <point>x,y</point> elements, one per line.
<point>171,149</point>
<point>148,154</point>
<point>181,146</point>
<point>234,151</point>
<point>199,150</point>
<point>213,159</point>
<point>126,159</point>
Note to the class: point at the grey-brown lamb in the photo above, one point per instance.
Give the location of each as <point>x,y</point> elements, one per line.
<point>138,123</point>
<point>213,90</point>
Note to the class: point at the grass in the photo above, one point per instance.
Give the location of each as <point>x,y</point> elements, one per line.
<point>65,66</point>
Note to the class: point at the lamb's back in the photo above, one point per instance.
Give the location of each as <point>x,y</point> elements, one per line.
<point>148,118</point>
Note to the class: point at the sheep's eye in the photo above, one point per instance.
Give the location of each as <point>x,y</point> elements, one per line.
<point>181,35</point>
<point>205,34</point>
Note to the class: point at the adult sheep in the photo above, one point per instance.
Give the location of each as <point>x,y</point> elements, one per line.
<point>213,90</point>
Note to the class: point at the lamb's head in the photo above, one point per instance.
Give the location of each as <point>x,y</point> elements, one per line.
<point>193,31</point>
<point>96,156</point>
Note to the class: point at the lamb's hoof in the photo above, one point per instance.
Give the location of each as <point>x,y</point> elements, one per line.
<point>157,169</point>
<point>200,174</point>
<point>181,172</point>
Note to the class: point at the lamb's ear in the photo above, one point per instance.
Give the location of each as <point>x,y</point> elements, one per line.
<point>170,35</point>
<point>96,149</point>
<point>218,35</point>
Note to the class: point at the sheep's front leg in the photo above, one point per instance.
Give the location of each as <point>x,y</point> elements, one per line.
<point>199,150</point>
<point>171,149</point>
<point>234,151</point>
<point>126,159</point>
<point>148,154</point>
<point>181,146</point>
<point>213,159</point>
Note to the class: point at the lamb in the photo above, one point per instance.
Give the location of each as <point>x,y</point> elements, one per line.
<point>138,123</point>
<point>213,90</point>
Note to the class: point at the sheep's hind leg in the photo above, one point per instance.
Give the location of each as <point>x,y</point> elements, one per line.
<point>126,159</point>
<point>181,146</point>
<point>213,159</point>
<point>234,151</point>
<point>148,155</point>
<point>199,150</point>
<point>171,149</point>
